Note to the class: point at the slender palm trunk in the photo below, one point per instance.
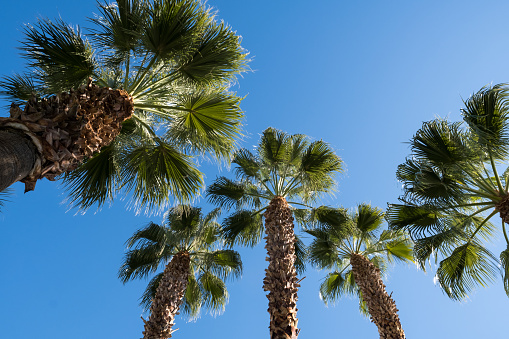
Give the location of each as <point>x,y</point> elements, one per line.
<point>168,298</point>
<point>18,156</point>
<point>381,306</point>
<point>65,129</point>
<point>281,277</point>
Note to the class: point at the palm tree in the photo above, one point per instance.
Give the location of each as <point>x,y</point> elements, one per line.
<point>284,167</point>
<point>148,87</point>
<point>452,190</point>
<point>189,244</point>
<point>353,246</point>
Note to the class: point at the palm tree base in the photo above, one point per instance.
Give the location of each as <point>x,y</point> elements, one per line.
<point>381,306</point>
<point>69,127</point>
<point>281,277</point>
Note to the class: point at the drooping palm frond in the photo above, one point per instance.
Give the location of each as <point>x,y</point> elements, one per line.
<point>467,266</point>
<point>243,227</point>
<point>19,88</point>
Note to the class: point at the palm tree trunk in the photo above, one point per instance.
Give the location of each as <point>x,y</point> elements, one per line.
<point>281,277</point>
<point>168,298</point>
<point>381,306</point>
<point>66,129</point>
<point>503,208</point>
<point>18,156</point>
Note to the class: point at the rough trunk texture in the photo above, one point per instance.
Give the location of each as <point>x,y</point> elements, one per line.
<point>17,156</point>
<point>503,208</point>
<point>281,278</point>
<point>381,306</point>
<point>68,127</point>
<point>169,295</point>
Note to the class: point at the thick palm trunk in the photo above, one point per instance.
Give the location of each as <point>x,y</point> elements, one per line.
<point>65,129</point>
<point>18,156</point>
<point>168,298</point>
<point>381,306</point>
<point>281,277</point>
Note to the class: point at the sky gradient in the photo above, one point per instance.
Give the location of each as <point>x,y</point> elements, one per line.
<point>362,76</point>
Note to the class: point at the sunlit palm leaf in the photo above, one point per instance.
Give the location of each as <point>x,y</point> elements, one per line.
<point>243,227</point>
<point>214,290</point>
<point>468,265</point>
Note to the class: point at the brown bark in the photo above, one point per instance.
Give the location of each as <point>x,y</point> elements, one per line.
<point>281,278</point>
<point>168,298</point>
<point>18,156</point>
<point>503,208</point>
<point>69,127</point>
<point>381,306</point>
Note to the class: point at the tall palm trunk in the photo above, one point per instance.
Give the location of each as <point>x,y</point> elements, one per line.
<point>168,298</point>
<point>18,156</point>
<point>65,129</point>
<point>281,276</point>
<point>503,208</point>
<point>381,306</point>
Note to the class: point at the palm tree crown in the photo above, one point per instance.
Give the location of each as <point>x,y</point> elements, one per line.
<point>172,59</point>
<point>185,230</point>
<point>452,190</point>
<point>352,245</point>
<point>288,166</point>
<point>284,166</point>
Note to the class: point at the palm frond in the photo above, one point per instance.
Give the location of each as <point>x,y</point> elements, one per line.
<point>193,298</point>
<point>217,55</point>
<point>19,88</point>
<point>207,121</point>
<point>243,227</point>
<point>323,251</point>
<point>273,147</point>
<point>215,295</point>
<point>367,218</point>
<point>467,266</point>
<point>64,59</point>
<point>504,265</point>
<point>301,254</point>
<point>224,263</point>
<point>227,193</point>
<point>336,285</point>
<point>248,165</point>
<point>486,113</point>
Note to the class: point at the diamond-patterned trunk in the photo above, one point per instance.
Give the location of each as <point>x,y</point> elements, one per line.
<point>381,306</point>
<point>281,278</point>
<point>168,298</point>
<point>68,127</point>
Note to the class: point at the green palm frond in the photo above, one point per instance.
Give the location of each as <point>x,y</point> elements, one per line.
<point>207,122</point>
<point>273,147</point>
<point>367,218</point>
<point>19,88</point>
<point>467,266</point>
<point>224,263</point>
<point>318,163</point>
<point>248,165</point>
<point>301,254</point>
<point>173,28</point>
<point>193,298</point>
<point>218,54</point>
<point>418,220</point>
<point>154,171</point>
<point>323,251</point>
<point>58,51</point>
<point>229,194</point>
<point>215,295</point>
<point>442,143</point>
<point>243,227</point>
<point>336,285</point>
<point>504,263</point>
<point>486,113</point>
<point>119,29</point>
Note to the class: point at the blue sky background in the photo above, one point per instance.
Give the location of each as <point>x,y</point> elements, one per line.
<point>362,76</point>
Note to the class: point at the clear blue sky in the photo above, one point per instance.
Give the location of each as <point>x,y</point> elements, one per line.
<point>362,76</point>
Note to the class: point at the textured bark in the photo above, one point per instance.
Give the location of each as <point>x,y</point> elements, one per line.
<point>69,127</point>
<point>168,298</point>
<point>503,208</point>
<point>381,306</point>
<point>281,278</point>
<point>17,156</point>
